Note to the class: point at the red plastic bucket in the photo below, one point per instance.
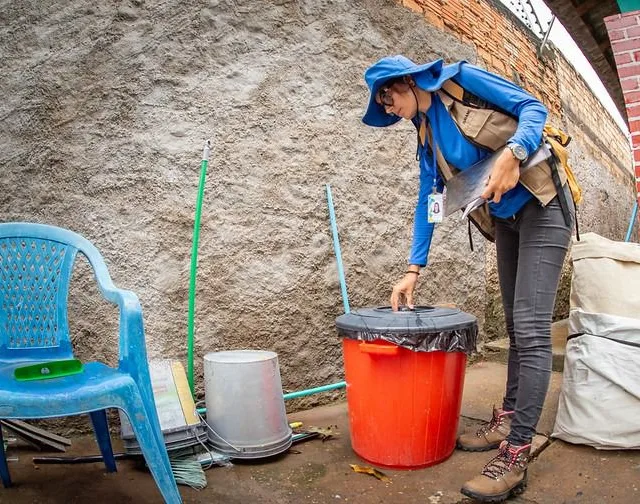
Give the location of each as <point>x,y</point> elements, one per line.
<point>404,406</point>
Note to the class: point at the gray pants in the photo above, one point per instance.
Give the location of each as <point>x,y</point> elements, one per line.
<point>531,247</point>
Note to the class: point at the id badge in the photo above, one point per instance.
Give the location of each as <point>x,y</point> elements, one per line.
<point>435,205</point>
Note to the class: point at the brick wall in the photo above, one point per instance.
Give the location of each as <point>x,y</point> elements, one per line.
<point>484,25</point>
<point>624,33</point>
<point>506,46</point>
<point>587,120</point>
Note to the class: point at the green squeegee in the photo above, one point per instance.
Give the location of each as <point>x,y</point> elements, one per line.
<point>47,370</point>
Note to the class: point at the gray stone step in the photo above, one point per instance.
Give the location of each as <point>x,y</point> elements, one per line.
<point>498,350</point>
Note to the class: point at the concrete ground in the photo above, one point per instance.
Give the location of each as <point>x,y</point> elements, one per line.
<point>319,472</point>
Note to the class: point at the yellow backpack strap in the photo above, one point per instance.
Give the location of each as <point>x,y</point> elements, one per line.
<point>558,140</point>
<point>560,136</point>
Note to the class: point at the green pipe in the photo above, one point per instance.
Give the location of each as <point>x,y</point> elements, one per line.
<point>336,248</point>
<point>316,390</point>
<point>194,261</point>
<point>302,393</point>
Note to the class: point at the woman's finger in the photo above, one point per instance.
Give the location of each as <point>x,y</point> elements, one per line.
<point>410,299</point>
<point>394,300</point>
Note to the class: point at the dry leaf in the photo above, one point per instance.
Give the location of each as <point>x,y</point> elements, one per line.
<point>325,433</point>
<point>370,470</point>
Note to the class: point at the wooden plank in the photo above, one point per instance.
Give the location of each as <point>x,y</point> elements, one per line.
<point>41,432</point>
<point>32,437</point>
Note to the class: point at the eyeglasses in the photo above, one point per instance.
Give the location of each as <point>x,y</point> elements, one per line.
<point>384,96</point>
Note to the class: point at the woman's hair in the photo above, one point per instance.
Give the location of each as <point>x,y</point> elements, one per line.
<point>394,80</point>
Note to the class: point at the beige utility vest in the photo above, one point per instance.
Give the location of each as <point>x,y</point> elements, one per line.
<point>491,129</point>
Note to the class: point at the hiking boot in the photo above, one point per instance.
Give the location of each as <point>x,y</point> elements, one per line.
<point>490,435</point>
<point>503,476</point>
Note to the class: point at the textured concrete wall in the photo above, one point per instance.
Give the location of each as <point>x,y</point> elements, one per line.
<point>104,117</point>
<point>105,109</point>
<point>624,33</point>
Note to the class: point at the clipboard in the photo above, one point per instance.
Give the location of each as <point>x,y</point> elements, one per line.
<point>464,190</point>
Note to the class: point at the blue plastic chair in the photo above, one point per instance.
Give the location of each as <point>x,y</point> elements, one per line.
<point>36,262</point>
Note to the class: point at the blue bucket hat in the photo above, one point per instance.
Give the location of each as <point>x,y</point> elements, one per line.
<point>428,76</point>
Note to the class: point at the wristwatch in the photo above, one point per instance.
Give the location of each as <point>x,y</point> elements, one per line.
<point>518,151</point>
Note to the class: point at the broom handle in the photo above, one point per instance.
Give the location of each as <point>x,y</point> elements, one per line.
<point>194,261</point>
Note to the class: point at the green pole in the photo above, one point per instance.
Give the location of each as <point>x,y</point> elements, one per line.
<point>194,261</point>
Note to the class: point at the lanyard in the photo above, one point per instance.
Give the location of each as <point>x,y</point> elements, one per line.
<point>422,145</point>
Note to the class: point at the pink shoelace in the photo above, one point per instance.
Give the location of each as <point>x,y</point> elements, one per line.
<point>494,423</point>
<point>508,456</point>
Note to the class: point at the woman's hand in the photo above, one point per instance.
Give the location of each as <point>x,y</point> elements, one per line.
<point>403,291</point>
<point>504,176</point>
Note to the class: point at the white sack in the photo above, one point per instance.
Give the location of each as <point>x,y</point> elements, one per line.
<point>599,402</point>
<point>606,276</point>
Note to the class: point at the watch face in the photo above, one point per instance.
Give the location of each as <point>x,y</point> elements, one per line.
<point>519,151</point>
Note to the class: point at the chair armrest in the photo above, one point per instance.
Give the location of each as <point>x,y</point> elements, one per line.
<point>132,341</point>
<point>132,346</point>
<point>133,350</point>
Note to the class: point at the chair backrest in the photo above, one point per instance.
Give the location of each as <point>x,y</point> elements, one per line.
<point>36,262</point>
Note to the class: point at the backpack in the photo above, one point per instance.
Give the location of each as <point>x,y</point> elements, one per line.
<point>558,139</point>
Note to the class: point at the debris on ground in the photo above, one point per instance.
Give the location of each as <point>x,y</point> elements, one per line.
<point>325,432</point>
<point>436,497</point>
<point>370,470</point>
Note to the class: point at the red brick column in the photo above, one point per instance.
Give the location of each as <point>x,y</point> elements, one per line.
<point>624,33</point>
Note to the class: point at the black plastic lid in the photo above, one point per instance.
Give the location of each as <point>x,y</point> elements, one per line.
<point>425,328</point>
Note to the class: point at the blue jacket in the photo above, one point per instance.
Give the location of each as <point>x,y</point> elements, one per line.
<point>456,149</point>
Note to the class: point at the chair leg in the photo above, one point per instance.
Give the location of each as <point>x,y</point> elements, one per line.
<point>4,467</point>
<point>149,437</point>
<point>101,429</point>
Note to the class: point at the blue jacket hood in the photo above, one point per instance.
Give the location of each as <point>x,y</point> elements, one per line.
<point>428,76</point>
